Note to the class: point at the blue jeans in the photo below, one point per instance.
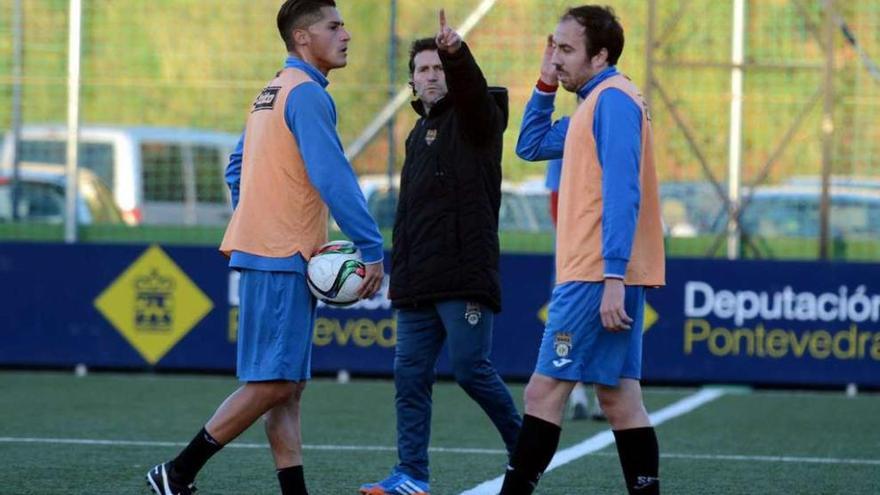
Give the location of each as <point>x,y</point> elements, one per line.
<point>420,335</point>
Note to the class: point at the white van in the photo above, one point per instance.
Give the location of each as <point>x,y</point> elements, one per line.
<point>159,175</point>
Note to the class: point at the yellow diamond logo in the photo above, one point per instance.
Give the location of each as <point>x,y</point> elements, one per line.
<point>651,317</point>
<point>543,313</point>
<point>153,304</point>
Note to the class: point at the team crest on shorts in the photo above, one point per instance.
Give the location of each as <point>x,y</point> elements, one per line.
<point>430,136</point>
<point>562,344</point>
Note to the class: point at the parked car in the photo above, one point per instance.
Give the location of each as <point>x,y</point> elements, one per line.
<point>522,209</point>
<point>871,182</point>
<point>789,210</point>
<point>158,175</point>
<point>41,196</point>
<point>793,211</point>
<point>525,209</point>
<point>691,208</point>
<point>381,197</point>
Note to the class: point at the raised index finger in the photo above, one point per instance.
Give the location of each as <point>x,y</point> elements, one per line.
<point>442,19</point>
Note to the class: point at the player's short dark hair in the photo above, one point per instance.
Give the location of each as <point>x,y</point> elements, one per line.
<point>602,29</point>
<point>419,46</point>
<point>295,14</point>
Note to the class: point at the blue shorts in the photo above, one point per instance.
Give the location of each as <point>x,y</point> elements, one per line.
<point>576,347</point>
<point>275,323</point>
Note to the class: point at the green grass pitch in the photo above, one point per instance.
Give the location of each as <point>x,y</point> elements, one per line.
<point>98,434</point>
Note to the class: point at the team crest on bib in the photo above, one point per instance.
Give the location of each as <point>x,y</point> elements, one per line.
<point>562,344</point>
<point>430,136</point>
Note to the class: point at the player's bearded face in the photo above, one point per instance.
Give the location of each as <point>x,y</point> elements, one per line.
<point>573,67</point>
<point>428,79</point>
<point>328,40</point>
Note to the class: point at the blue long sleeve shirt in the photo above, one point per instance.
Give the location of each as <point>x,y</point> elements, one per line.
<point>310,114</point>
<point>554,174</point>
<point>617,127</point>
<point>541,138</point>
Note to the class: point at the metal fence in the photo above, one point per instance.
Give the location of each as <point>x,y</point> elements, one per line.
<point>168,83</point>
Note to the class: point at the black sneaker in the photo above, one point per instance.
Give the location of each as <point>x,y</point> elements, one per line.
<point>162,483</point>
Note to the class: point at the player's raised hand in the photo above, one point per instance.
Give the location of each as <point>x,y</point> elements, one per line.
<point>447,39</point>
<point>548,68</point>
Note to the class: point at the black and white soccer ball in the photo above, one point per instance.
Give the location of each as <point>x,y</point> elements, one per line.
<point>335,273</point>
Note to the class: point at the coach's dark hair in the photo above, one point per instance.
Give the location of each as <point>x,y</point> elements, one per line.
<point>418,47</point>
<point>295,14</point>
<point>602,29</point>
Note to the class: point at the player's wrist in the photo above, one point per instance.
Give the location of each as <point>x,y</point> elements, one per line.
<point>546,87</point>
<point>615,267</point>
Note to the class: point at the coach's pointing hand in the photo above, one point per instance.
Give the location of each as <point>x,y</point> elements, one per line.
<point>447,40</point>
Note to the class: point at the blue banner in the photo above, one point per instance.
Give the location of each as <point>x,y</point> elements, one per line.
<point>766,322</point>
<point>175,308</point>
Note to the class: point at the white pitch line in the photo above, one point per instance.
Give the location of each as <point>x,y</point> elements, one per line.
<point>758,458</point>
<point>451,450</point>
<point>774,458</point>
<point>605,438</point>
<point>239,445</point>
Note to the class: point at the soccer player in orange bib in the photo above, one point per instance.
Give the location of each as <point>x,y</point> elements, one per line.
<point>609,250</point>
<point>286,173</point>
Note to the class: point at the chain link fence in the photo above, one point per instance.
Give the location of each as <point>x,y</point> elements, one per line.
<point>166,85</point>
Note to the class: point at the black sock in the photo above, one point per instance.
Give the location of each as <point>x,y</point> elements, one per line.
<point>535,447</point>
<point>640,460</point>
<point>292,481</point>
<point>187,464</point>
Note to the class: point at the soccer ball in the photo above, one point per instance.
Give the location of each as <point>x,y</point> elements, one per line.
<point>335,273</point>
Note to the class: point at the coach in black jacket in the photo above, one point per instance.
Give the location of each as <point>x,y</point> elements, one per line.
<point>446,228</point>
<point>444,263</point>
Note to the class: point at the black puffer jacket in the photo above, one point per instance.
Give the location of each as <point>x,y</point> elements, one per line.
<point>445,243</point>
